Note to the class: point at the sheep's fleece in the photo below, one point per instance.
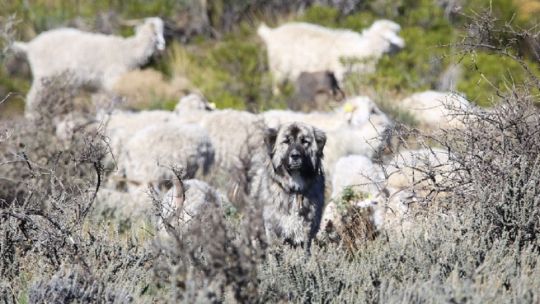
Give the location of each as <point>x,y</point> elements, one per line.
<point>298,47</point>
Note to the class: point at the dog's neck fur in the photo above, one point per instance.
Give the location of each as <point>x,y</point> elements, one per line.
<point>293,182</point>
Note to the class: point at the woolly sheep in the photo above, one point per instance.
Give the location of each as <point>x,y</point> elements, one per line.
<point>185,201</point>
<point>93,60</point>
<point>389,206</point>
<point>358,171</point>
<point>192,107</point>
<point>234,135</point>
<point>368,140</point>
<point>436,110</point>
<point>298,47</point>
<point>120,126</point>
<point>355,112</point>
<point>149,154</point>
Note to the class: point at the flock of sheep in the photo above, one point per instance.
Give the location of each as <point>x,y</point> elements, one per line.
<point>217,145</point>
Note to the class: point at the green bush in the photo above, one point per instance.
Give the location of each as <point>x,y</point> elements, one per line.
<point>323,15</point>
<point>486,74</point>
<point>232,72</point>
<point>417,66</point>
<point>43,14</point>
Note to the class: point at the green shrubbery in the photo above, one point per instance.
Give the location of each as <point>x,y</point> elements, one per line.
<point>232,70</point>
<point>231,73</point>
<point>487,74</point>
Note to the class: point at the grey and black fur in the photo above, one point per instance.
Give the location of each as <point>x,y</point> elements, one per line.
<point>289,183</point>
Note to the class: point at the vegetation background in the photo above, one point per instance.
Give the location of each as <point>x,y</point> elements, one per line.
<point>478,241</point>
<point>213,45</point>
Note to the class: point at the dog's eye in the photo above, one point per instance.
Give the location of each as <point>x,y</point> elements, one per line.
<point>306,142</point>
<point>285,141</point>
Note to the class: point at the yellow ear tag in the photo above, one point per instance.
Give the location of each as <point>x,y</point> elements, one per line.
<point>348,108</point>
<point>370,196</point>
<point>212,105</point>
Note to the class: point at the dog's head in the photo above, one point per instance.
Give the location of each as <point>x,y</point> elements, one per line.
<point>296,149</point>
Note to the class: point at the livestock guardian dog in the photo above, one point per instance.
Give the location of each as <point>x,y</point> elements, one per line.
<point>289,183</point>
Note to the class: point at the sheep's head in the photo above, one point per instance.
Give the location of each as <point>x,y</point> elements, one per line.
<point>388,30</point>
<point>155,27</point>
<point>360,110</point>
<point>193,102</point>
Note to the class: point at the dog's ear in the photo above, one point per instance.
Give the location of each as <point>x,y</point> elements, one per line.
<point>270,135</point>
<point>320,138</point>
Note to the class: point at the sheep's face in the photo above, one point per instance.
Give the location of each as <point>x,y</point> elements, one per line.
<point>194,102</point>
<point>156,28</point>
<point>388,30</point>
<point>362,110</point>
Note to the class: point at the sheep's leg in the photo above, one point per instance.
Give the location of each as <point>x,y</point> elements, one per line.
<point>32,99</point>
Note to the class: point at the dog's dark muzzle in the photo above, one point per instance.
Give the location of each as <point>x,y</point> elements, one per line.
<point>295,159</point>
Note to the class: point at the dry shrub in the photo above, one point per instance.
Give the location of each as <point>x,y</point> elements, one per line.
<point>357,228</point>
<point>47,191</point>
<point>212,258</point>
<point>147,88</point>
<point>75,286</point>
<point>57,96</point>
<point>498,155</point>
<point>352,225</point>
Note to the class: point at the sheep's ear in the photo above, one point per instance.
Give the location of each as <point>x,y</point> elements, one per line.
<point>320,138</point>
<point>270,135</point>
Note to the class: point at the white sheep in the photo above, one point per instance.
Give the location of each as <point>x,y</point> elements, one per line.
<point>358,172</point>
<point>120,126</point>
<point>234,135</point>
<point>368,140</point>
<point>298,47</point>
<point>192,107</point>
<point>148,156</point>
<point>186,201</point>
<point>355,112</point>
<point>436,110</point>
<point>367,181</point>
<point>91,59</point>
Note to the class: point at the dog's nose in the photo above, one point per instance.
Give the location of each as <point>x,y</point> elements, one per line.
<point>295,155</point>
